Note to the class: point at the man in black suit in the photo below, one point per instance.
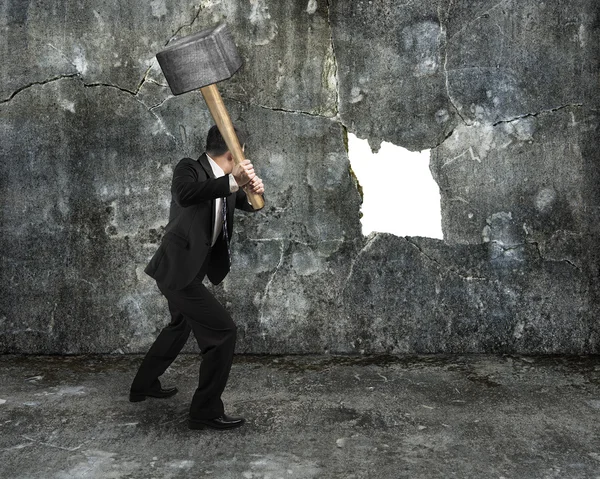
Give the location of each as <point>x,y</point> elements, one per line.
<point>196,243</point>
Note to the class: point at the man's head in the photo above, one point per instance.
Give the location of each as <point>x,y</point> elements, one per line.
<point>217,149</point>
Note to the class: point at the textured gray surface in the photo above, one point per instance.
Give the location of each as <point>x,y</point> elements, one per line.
<point>287,52</point>
<point>391,72</point>
<point>307,417</point>
<point>534,178</point>
<point>502,92</point>
<point>467,299</point>
<point>433,65</point>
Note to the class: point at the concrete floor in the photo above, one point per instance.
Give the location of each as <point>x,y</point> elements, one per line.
<point>307,417</point>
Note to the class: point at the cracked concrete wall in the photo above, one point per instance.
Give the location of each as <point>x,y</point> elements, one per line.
<point>502,92</point>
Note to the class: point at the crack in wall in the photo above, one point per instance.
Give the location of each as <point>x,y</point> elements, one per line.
<point>539,252</point>
<point>439,143</point>
<point>264,107</point>
<point>536,244</point>
<point>370,241</point>
<point>79,74</point>
<point>335,117</point>
<point>158,105</point>
<point>268,285</point>
<point>295,241</point>
<point>152,108</point>
<point>196,15</point>
<point>257,105</point>
<point>140,84</point>
<point>43,82</point>
<point>145,77</point>
<point>86,85</point>
<point>517,118</point>
<point>107,85</point>
<point>507,247</point>
<point>123,89</point>
<point>135,97</point>
<point>528,115</point>
<point>92,85</point>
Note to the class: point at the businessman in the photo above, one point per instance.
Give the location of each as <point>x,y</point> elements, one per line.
<point>205,193</point>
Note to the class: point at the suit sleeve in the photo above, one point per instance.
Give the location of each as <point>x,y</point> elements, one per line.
<point>188,189</point>
<point>241,201</point>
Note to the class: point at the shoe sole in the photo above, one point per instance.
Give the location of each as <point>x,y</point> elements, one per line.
<point>137,398</point>
<point>142,397</point>
<point>197,425</point>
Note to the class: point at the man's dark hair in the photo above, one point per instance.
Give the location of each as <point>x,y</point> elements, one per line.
<point>215,143</point>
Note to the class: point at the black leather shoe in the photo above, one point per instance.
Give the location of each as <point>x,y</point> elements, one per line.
<point>136,396</point>
<point>221,422</point>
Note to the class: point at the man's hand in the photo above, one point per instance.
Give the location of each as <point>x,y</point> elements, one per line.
<point>255,186</point>
<point>243,173</point>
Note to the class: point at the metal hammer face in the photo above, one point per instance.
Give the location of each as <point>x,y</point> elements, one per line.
<point>201,59</point>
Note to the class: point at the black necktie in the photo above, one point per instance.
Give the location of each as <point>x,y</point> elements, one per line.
<point>225,232</point>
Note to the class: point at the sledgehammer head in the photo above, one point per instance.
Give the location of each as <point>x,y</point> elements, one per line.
<point>198,60</point>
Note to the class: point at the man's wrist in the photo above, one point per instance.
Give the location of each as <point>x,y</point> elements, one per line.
<point>233,186</point>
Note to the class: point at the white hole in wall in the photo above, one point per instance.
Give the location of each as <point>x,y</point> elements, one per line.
<point>400,195</point>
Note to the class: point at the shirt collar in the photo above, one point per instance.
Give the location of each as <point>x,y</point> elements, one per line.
<point>217,170</point>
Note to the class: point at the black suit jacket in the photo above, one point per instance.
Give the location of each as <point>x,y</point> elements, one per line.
<point>188,235</point>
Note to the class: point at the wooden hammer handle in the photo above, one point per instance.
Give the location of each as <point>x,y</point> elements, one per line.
<point>223,121</point>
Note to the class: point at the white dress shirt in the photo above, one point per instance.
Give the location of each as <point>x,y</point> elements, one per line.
<point>233,187</point>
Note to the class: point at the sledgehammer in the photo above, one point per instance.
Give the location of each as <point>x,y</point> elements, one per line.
<point>199,61</point>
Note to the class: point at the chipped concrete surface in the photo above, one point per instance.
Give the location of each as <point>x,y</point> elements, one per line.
<point>307,417</point>
<point>502,92</point>
<point>480,301</point>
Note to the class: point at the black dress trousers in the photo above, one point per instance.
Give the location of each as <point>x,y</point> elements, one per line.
<point>194,308</point>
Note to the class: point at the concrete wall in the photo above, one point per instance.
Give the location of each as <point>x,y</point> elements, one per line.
<point>504,93</point>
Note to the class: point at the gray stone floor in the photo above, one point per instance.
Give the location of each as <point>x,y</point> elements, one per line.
<point>307,417</point>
